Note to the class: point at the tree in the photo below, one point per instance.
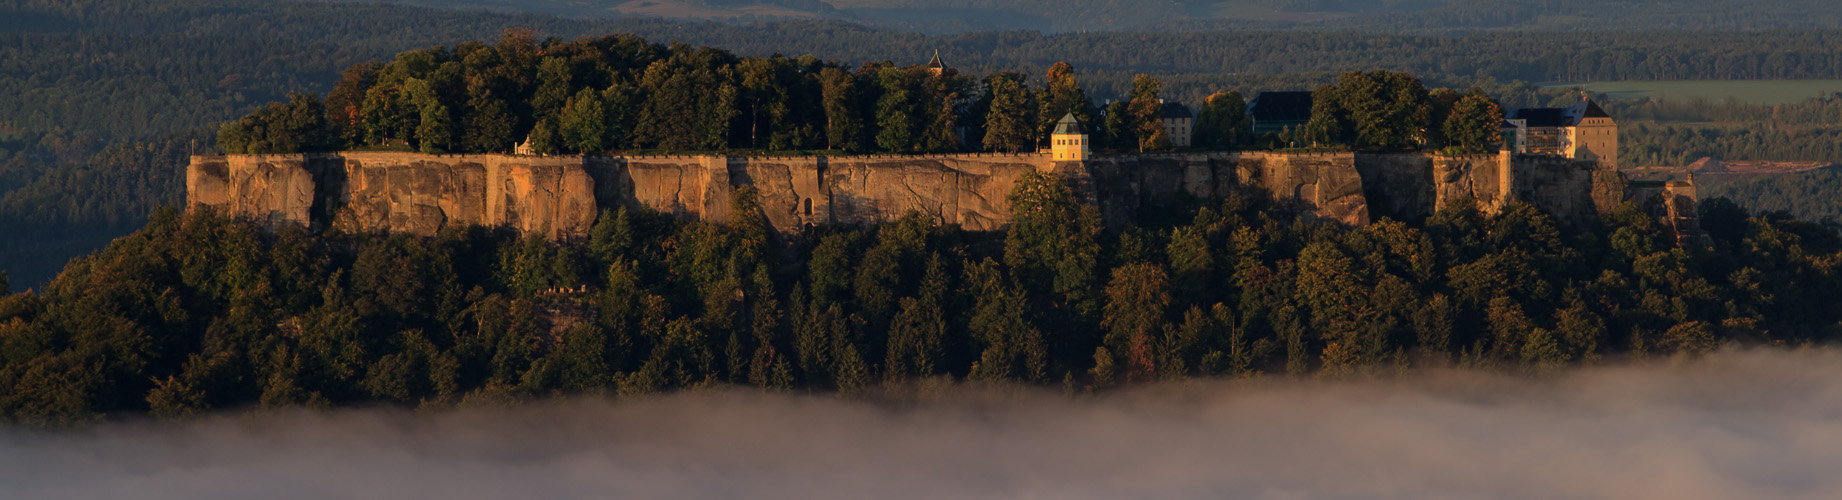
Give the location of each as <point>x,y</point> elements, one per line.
<point>1120,132</point>
<point>386,116</point>
<point>435,128</point>
<point>1372,110</point>
<point>843,122</point>
<point>1222,123</point>
<point>1192,262</point>
<point>1475,125</point>
<point>297,126</point>
<point>767,88</point>
<point>554,84</point>
<point>584,123</point>
<point>544,138</point>
<point>489,118</point>
<point>690,100</point>
<point>1010,346</point>
<point>917,333</point>
<point>1009,125</point>
<point>898,120</point>
<point>1147,112</point>
<point>345,100</point>
<point>1052,249</point>
<point>1060,96</point>
<point>1332,287</point>
<point>1136,299</point>
<point>1510,327</point>
<point>941,109</point>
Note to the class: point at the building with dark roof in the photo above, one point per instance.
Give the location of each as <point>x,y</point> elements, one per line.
<point>1179,123</point>
<point>1068,142</point>
<point>1582,132</point>
<point>1276,111</point>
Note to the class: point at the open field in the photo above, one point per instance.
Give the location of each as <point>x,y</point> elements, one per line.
<point>1748,91</point>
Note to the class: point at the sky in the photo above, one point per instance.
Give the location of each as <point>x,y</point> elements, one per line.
<point>1754,423</point>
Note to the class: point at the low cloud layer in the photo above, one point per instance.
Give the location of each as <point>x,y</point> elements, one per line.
<point>1752,424</point>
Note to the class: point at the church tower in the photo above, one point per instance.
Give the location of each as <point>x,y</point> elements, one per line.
<point>935,66</point>
<point>1068,142</point>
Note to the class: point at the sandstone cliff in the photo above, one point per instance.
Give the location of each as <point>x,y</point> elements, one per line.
<point>560,196</point>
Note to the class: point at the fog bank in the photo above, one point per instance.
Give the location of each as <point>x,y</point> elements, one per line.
<point>1739,424</point>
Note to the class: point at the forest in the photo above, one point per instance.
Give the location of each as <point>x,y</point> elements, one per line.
<point>83,85</point>
<point>615,93</point>
<point>100,103</point>
<point>1805,195</point>
<point>196,312</point>
<point>1389,16</point>
<point>1653,132</point>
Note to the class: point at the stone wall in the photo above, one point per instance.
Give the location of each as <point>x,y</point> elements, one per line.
<point>560,196</point>
<point>1330,183</point>
<point>1561,186</point>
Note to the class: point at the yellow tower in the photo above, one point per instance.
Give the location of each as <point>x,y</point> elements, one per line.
<point>1593,136</point>
<point>1068,142</point>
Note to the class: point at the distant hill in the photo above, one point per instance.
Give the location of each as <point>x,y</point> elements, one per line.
<point>1806,195</point>
<point>1397,16</point>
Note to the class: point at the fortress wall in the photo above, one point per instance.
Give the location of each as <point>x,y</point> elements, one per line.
<point>273,188</point>
<point>970,191</point>
<point>560,196</point>
<point>1397,186</point>
<point>420,194</point>
<point>1122,184</point>
<point>788,189</point>
<point>1480,177</point>
<point>1563,187</point>
<point>1329,182</point>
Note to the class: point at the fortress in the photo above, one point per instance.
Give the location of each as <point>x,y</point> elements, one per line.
<point>560,196</point>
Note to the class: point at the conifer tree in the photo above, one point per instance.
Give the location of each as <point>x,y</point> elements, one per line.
<point>1009,125</point>
<point>1136,302</point>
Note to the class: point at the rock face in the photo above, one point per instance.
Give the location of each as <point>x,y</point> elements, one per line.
<point>560,196</point>
<point>1328,182</point>
<point>273,188</point>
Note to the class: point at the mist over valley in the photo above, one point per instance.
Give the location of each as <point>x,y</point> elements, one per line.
<point>1741,423</point>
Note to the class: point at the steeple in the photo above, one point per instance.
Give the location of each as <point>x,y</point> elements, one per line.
<point>934,65</point>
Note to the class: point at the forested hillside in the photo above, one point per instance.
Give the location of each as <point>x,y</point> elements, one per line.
<point>84,86</point>
<point>194,313</point>
<point>1805,195</point>
<point>1677,133</point>
<point>1411,16</point>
